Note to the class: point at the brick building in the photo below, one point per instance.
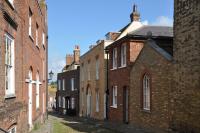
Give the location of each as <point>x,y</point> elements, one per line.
<point>23,81</point>
<point>67,95</point>
<point>93,80</point>
<point>123,54</point>
<point>185,107</point>
<point>150,84</point>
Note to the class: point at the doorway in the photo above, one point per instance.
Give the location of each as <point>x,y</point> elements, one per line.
<point>125,105</point>
<point>30,100</point>
<point>89,104</point>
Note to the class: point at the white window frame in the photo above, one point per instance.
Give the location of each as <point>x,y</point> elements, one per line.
<point>97,69</point>
<point>36,36</point>
<point>146,93</point>
<point>37,91</point>
<point>115,58</point>
<point>9,66</point>
<point>123,55</point>
<point>72,103</point>
<point>63,102</point>
<point>89,72</point>
<point>30,23</point>
<point>13,128</point>
<point>43,39</point>
<point>97,101</point>
<point>72,84</point>
<point>59,101</point>
<point>114,97</point>
<point>59,84</point>
<point>63,84</point>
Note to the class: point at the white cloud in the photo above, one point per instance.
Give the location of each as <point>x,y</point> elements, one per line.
<point>56,65</point>
<point>163,21</point>
<point>146,22</point>
<point>160,21</point>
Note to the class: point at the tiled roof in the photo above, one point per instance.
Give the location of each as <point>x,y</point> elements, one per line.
<point>163,31</point>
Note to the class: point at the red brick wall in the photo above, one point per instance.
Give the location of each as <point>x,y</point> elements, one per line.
<point>121,77</point>
<point>26,55</point>
<point>159,70</point>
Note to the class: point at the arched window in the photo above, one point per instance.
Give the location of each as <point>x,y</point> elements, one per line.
<point>146,92</point>
<point>37,91</point>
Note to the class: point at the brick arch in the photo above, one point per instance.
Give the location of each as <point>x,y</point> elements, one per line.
<point>12,125</point>
<point>88,89</point>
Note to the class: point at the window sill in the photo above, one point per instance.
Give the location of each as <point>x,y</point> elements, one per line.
<point>11,96</point>
<point>121,67</point>
<point>113,69</point>
<point>114,106</point>
<point>146,111</point>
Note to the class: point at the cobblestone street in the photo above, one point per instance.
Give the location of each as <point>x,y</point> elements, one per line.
<point>60,124</point>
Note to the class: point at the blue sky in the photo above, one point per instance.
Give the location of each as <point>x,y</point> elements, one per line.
<point>84,22</point>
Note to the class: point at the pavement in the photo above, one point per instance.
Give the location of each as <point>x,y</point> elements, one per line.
<point>85,125</point>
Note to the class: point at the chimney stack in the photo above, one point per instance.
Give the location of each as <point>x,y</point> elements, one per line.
<point>135,15</point>
<point>76,54</point>
<point>69,59</point>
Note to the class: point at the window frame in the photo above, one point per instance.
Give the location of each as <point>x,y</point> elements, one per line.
<point>9,66</point>
<point>123,55</point>
<point>43,39</point>
<point>59,84</point>
<point>97,68</point>
<point>36,36</point>
<point>30,23</point>
<point>146,94</point>
<point>72,84</point>
<point>59,101</point>
<point>37,91</point>
<point>114,98</point>
<point>73,103</point>
<point>114,57</point>
<point>10,130</point>
<point>63,102</point>
<point>89,72</point>
<point>63,84</point>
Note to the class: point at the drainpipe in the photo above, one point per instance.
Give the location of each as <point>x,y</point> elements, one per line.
<point>107,90</point>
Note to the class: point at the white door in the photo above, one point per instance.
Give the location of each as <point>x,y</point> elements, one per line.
<point>89,100</point>
<point>30,100</point>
